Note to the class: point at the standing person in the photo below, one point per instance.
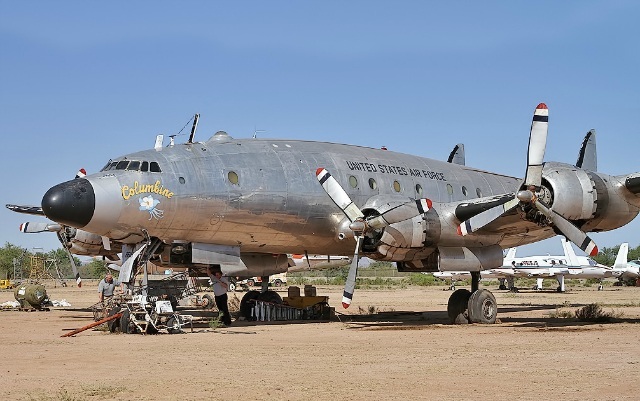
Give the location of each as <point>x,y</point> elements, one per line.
<point>106,287</point>
<point>220,288</point>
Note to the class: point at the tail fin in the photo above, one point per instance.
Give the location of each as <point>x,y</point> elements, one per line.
<point>621,259</point>
<point>572,259</point>
<point>457,155</point>
<point>510,256</point>
<point>587,157</point>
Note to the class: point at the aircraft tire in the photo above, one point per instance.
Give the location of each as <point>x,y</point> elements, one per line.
<point>246,305</point>
<point>173,325</point>
<point>457,306</point>
<point>125,323</point>
<point>502,287</point>
<point>208,302</point>
<point>270,296</point>
<point>114,325</point>
<point>483,307</point>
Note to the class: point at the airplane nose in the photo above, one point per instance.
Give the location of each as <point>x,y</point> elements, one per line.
<point>71,203</point>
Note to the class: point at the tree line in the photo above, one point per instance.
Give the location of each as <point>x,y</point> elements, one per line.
<point>14,259</point>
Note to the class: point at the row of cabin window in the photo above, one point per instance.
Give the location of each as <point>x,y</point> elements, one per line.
<point>353,181</point>
<point>133,165</point>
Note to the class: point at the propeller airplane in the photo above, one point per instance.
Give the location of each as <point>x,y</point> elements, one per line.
<point>243,205</point>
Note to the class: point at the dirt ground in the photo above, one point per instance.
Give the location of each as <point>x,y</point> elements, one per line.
<point>405,349</point>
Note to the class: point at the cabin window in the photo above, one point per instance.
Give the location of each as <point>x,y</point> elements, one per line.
<point>373,184</point>
<point>155,167</point>
<point>464,191</point>
<point>134,165</point>
<point>353,181</point>
<point>122,165</point>
<point>396,186</point>
<point>419,189</point>
<point>233,177</point>
<point>145,166</point>
<point>479,192</point>
<point>181,180</point>
<point>450,191</point>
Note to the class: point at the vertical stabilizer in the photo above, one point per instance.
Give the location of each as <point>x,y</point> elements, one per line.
<point>457,155</point>
<point>621,259</point>
<point>569,253</point>
<point>509,257</point>
<point>588,157</point>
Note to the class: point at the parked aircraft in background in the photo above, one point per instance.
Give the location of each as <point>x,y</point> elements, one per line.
<point>242,205</point>
<point>547,266</point>
<point>626,270</point>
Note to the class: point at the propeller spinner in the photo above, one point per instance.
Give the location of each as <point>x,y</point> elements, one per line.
<point>360,224</point>
<point>527,193</point>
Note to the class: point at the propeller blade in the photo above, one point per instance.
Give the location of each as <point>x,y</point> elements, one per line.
<point>399,213</point>
<point>485,217</point>
<point>29,227</point>
<point>74,268</point>
<point>537,145</point>
<point>35,210</point>
<point>569,230</point>
<point>350,285</point>
<point>338,195</point>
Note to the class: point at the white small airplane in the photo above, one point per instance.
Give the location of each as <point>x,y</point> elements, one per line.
<point>541,267</point>
<point>626,270</point>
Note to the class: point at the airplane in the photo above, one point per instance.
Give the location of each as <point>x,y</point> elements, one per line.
<point>545,266</point>
<point>243,205</point>
<point>626,270</point>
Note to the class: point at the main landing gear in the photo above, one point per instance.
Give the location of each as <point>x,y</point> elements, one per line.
<point>475,306</point>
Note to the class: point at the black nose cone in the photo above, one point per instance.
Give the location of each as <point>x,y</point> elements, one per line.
<point>71,203</point>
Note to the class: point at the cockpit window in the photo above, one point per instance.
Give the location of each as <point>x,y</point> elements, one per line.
<point>122,165</point>
<point>155,168</point>
<point>106,166</point>
<point>133,165</point>
<point>109,166</point>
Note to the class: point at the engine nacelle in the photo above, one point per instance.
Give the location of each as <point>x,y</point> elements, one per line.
<point>570,191</point>
<point>472,259</point>
<point>198,256</point>
<point>593,201</point>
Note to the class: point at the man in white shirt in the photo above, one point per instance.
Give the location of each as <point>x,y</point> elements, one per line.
<point>220,288</point>
<point>106,287</point>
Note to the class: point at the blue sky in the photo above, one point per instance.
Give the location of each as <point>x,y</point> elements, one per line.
<point>83,82</point>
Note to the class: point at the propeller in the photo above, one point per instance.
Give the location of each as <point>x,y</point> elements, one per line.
<point>361,225</point>
<point>531,185</point>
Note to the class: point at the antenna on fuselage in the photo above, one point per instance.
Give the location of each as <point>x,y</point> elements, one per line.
<point>255,132</point>
<point>194,127</point>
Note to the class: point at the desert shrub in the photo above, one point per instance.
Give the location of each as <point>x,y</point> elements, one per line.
<point>422,280</point>
<point>592,313</point>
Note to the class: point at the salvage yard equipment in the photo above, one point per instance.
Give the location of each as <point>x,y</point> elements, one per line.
<point>32,297</point>
<point>6,285</point>
<point>141,316</point>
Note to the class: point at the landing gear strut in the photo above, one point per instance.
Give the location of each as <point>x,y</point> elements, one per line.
<point>475,306</point>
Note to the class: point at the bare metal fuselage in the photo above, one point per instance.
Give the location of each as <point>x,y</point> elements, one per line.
<point>263,195</point>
